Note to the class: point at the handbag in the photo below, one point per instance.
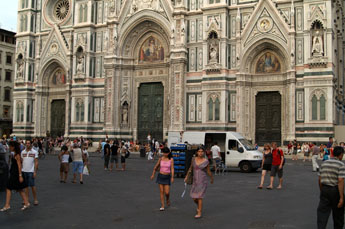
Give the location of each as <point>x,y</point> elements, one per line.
<point>70,160</point>
<point>189,175</point>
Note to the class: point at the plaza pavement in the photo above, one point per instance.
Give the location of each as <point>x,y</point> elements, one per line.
<point>130,200</point>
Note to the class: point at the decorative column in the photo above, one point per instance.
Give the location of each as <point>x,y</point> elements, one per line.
<point>178,59</point>
<point>112,74</point>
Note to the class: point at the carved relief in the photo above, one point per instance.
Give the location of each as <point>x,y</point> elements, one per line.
<point>138,5</point>
<point>265,25</point>
<point>245,19</point>
<point>200,30</point>
<point>200,60</point>
<point>300,51</point>
<point>192,31</point>
<point>191,60</point>
<point>115,37</point>
<point>299,19</point>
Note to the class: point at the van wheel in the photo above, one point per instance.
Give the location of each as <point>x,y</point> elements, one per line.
<point>245,167</point>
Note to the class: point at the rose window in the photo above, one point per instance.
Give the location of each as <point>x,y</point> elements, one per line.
<point>61,9</point>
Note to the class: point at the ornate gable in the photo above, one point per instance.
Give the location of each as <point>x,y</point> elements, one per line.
<point>317,13</point>
<point>133,7</point>
<point>265,22</point>
<point>56,48</point>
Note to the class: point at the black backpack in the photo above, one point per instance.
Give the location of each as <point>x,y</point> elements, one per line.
<point>127,154</point>
<point>280,153</point>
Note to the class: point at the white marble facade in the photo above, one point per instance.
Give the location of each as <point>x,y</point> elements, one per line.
<point>212,57</point>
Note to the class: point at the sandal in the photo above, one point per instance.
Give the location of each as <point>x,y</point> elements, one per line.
<point>259,187</point>
<point>269,188</point>
<point>161,209</point>
<point>25,207</point>
<point>5,209</point>
<point>197,216</point>
<point>36,203</point>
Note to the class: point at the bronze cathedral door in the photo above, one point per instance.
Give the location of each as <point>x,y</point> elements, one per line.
<point>150,111</point>
<point>57,118</point>
<point>268,118</point>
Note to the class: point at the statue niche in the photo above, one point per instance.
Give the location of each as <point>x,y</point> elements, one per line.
<point>213,48</point>
<point>317,39</point>
<point>20,66</point>
<point>124,113</point>
<point>80,61</point>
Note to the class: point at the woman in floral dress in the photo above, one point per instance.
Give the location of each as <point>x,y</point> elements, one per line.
<point>201,169</point>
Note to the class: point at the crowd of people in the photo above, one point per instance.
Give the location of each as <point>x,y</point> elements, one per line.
<point>23,163</point>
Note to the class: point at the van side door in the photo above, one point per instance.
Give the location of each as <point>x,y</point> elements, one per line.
<point>233,157</point>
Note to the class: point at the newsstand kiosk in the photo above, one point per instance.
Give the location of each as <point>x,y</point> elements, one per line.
<point>182,155</point>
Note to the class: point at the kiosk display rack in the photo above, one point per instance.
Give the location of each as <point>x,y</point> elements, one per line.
<point>178,152</point>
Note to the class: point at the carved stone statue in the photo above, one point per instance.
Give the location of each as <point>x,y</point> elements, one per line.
<point>80,60</point>
<point>125,113</point>
<point>213,50</point>
<point>20,68</point>
<point>213,54</point>
<point>80,64</point>
<point>317,49</point>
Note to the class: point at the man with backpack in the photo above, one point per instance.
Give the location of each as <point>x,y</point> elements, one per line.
<point>277,165</point>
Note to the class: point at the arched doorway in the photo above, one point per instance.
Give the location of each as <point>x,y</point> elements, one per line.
<point>145,86</point>
<point>57,102</point>
<point>52,101</point>
<point>268,94</point>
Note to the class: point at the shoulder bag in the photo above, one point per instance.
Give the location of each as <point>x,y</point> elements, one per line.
<point>189,175</point>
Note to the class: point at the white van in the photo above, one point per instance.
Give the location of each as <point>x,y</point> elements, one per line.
<point>237,151</point>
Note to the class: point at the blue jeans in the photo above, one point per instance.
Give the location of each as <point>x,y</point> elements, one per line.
<point>78,167</point>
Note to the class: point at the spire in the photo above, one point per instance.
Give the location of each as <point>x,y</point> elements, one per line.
<point>292,7</point>
<point>238,17</point>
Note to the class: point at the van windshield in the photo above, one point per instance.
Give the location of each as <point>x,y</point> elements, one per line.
<point>246,144</point>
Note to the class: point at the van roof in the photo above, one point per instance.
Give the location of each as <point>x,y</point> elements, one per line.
<point>236,135</point>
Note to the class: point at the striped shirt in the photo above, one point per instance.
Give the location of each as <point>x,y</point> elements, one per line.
<point>331,170</point>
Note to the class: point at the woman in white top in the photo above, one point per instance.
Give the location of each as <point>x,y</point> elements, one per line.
<point>64,163</point>
<point>305,150</point>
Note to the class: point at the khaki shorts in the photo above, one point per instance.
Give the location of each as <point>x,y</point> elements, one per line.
<point>64,167</point>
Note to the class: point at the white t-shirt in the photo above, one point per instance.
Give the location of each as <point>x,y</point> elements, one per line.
<point>215,150</point>
<point>29,160</point>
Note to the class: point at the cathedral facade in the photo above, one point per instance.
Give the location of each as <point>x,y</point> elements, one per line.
<point>270,69</point>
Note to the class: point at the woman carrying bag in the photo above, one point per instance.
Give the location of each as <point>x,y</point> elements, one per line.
<point>165,176</point>
<point>199,170</point>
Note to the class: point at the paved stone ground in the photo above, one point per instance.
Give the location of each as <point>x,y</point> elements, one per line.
<point>130,200</point>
